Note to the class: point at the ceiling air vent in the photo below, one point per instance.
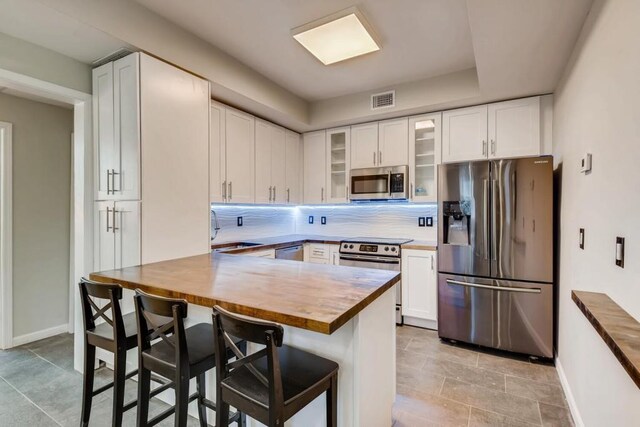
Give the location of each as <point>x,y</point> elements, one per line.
<point>383,100</point>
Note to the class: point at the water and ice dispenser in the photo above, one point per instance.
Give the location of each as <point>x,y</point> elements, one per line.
<point>456,220</point>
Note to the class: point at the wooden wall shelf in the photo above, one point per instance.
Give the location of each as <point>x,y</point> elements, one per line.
<point>619,330</point>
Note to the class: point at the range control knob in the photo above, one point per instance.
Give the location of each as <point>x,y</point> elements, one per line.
<point>345,246</point>
<point>350,246</point>
<point>393,249</point>
<point>386,248</point>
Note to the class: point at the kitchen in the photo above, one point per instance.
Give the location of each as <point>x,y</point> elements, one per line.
<point>437,214</point>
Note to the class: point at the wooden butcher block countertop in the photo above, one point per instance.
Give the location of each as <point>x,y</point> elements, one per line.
<point>315,297</point>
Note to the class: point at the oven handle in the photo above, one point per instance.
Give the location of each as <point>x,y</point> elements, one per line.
<point>495,288</point>
<point>369,259</point>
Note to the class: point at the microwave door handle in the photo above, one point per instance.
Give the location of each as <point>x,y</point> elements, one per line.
<point>389,182</point>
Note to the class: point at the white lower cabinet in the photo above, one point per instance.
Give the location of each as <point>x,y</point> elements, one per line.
<point>334,254</point>
<point>321,253</point>
<point>420,288</point>
<point>117,239</point>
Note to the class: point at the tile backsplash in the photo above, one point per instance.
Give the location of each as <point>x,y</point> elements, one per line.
<point>366,220</point>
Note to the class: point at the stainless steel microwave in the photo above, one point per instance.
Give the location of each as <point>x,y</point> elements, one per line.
<point>389,183</point>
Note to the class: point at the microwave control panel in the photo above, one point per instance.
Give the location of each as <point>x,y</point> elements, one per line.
<point>397,183</point>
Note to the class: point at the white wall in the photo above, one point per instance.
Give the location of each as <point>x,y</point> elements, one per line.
<point>41,212</point>
<point>597,110</point>
<point>258,221</point>
<point>35,61</point>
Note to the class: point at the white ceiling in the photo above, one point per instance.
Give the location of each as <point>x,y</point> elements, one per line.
<point>420,39</point>
<point>36,23</point>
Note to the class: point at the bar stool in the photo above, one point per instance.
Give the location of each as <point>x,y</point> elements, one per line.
<point>116,334</point>
<point>273,384</point>
<point>181,354</point>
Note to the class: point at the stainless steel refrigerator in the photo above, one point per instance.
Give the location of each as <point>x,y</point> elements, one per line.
<point>495,252</point>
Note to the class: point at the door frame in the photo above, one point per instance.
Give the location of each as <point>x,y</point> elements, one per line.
<point>81,234</point>
<point>6,238</point>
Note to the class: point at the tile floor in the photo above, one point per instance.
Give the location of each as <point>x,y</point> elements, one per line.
<point>457,385</point>
<point>438,384</point>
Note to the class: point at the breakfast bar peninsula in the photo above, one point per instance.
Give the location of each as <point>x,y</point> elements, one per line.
<point>345,314</point>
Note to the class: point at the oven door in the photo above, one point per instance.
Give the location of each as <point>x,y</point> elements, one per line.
<point>379,263</point>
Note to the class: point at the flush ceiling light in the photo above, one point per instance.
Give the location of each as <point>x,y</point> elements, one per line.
<point>337,37</point>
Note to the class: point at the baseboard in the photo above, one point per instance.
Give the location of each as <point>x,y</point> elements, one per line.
<point>573,407</point>
<point>40,335</point>
<point>420,323</point>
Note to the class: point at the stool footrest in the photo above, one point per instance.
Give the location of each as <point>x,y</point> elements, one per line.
<point>109,385</point>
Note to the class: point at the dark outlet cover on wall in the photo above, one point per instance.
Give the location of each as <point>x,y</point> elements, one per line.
<point>421,222</point>
<point>310,219</point>
<point>323,220</point>
<point>239,221</point>
<point>429,221</point>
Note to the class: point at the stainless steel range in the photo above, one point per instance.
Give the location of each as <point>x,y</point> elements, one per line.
<point>378,253</point>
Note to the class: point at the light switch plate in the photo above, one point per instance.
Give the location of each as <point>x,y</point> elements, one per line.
<point>585,163</point>
<point>239,221</point>
<point>421,221</point>
<point>310,219</point>
<point>620,252</point>
<point>323,220</point>
<point>581,238</point>
<point>429,221</point>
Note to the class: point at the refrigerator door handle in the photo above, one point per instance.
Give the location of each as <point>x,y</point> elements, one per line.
<point>485,219</point>
<point>494,218</point>
<point>494,288</point>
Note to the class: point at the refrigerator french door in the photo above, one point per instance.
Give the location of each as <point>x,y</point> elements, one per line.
<point>495,250</point>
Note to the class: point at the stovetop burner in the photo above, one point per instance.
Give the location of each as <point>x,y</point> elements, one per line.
<point>377,240</point>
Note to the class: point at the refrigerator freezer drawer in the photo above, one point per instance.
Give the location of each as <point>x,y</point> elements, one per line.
<point>502,314</point>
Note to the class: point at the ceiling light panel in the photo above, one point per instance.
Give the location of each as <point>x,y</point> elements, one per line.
<point>337,37</point>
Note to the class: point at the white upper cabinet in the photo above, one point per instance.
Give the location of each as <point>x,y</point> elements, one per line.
<point>393,142</point>
<point>116,100</point>
<point>270,163</point>
<point>263,162</point>
<point>364,145</point>
<point>338,164</point>
<point>278,164</point>
<point>240,150</point>
<point>464,134</point>
<point>424,157</point>
<point>314,167</point>
<point>293,160</point>
<point>514,128</point>
<point>217,154</point>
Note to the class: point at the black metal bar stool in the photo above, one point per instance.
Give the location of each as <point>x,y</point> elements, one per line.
<point>116,334</point>
<point>273,384</point>
<point>181,354</point>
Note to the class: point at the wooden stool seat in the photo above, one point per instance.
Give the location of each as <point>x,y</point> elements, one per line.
<point>300,371</point>
<point>103,333</point>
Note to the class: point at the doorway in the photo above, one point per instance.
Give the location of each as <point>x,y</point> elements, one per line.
<point>6,287</point>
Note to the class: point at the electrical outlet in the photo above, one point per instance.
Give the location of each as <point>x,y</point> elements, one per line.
<point>310,219</point>
<point>429,221</point>
<point>323,220</point>
<point>421,221</point>
<point>239,221</point>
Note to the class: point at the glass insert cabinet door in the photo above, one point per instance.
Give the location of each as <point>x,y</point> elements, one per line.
<point>338,164</point>
<point>425,134</point>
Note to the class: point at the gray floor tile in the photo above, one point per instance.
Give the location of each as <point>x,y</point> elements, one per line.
<point>491,400</point>
<point>466,373</point>
<point>410,359</point>
<point>555,416</point>
<point>481,418</point>
<point>517,368</point>
<point>435,409</point>
<point>433,347</point>
<point>423,381</point>
<point>17,410</point>
<point>57,350</point>
<point>542,392</point>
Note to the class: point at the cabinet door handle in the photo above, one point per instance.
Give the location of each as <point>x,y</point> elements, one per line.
<point>224,190</point>
<point>411,191</point>
<point>114,228</point>
<point>108,182</point>
<point>322,194</point>
<point>288,195</point>
<point>108,212</point>
<point>113,181</point>
<point>270,193</point>
<point>347,193</point>
<point>374,157</point>
<point>484,147</point>
<point>380,157</point>
<point>431,262</point>
<point>230,190</point>
<point>274,193</point>
<point>493,146</point>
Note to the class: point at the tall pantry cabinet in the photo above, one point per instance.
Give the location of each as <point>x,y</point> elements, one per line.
<point>151,152</point>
